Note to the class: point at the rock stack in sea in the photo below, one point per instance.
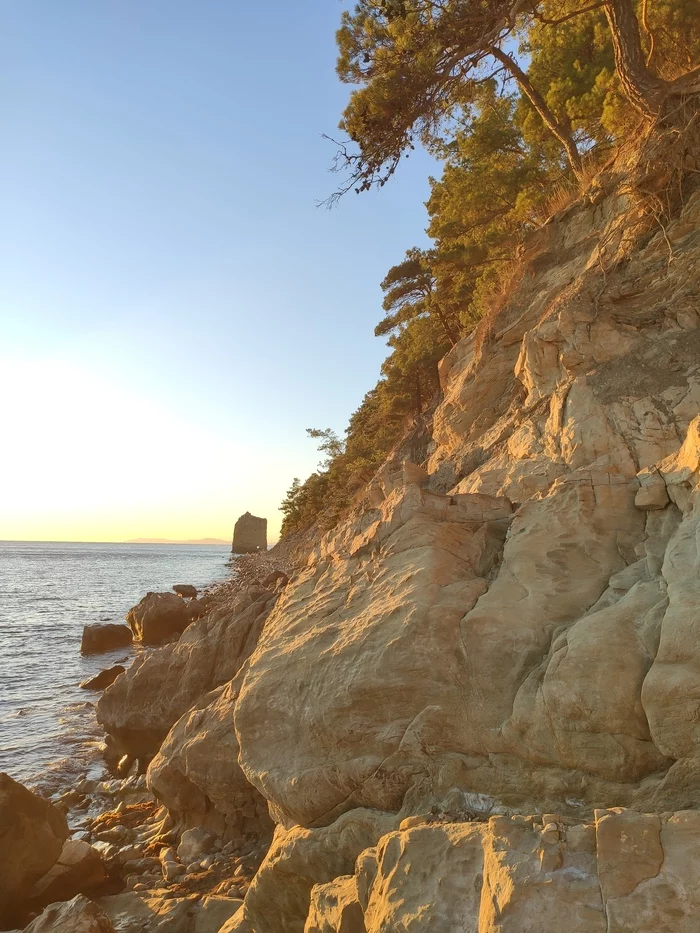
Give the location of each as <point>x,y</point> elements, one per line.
<point>249,535</point>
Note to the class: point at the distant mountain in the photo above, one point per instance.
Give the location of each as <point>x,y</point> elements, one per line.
<point>170,541</point>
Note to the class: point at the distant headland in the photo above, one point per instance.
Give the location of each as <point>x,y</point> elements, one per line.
<point>171,541</point>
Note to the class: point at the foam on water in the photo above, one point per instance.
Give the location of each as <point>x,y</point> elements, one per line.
<point>48,592</point>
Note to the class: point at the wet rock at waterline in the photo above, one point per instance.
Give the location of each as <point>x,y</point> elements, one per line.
<point>104,679</point>
<point>101,637</point>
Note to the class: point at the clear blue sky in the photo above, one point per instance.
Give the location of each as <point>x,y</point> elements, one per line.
<point>174,308</point>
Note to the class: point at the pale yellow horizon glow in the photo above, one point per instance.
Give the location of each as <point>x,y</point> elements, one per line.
<point>84,459</point>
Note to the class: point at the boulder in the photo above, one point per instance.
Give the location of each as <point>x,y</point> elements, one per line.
<point>104,679</point>
<point>194,845</point>
<point>32,833</point>
<point>79,870</point>
<point>186,590</point>
<point>158,618</point>
<point>104,636</point>
<point>249,535</point>
<point>78,915</point>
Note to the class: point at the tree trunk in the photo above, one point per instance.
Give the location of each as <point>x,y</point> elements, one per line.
<point>449,333</point>
<point>540,105</point>
<point>418,395</point>
<point>642,88</point>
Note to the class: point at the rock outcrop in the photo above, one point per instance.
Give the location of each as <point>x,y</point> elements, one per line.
<point>104,679</point>
<point>249,535</point>
<point>102,637</point>
<point>158,618</point>
<point>159,688</point>
<point>624,871</point>
<point>32,833</point>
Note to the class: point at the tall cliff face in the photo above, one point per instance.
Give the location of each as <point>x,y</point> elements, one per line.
<point>523,624</point>
<point>510,630</point>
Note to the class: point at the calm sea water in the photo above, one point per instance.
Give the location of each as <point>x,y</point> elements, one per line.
<point>48,592</point>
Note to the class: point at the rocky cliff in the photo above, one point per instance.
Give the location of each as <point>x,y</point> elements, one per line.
<point>476,705</point>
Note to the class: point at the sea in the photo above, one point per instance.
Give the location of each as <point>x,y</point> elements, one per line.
<point>49,737</point>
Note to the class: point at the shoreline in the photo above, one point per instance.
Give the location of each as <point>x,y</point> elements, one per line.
<point>122,820</point>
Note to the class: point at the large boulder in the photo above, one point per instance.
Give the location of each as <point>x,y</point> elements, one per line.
<point>32,833</point>
<point>79,870</point>
<point>78,915</point>
<point>186,590</point>
<point>105,636</point>
<point>158,618</point>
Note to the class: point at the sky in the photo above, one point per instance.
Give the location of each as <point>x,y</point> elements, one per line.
<point>175,310</point>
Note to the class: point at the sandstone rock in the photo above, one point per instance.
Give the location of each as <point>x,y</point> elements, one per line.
<point>214,912</point>
<point>104,679</point>
<point>140,707</point>
<point>194,844</point>
<point>185,589</point>
<point>335,908</point>
<point>79,870</point>
<point>78,915</point>
<point>32,833</point>
<point>197,775</point>
<point>132,912</point>
<point>397,674</point>
<point>101,637</point>
<point>412,473</point>
<point>158,617</point>
<point>249,534</point>
<point>630,872</point>
<point>540,653</point>
<point>280,894</point>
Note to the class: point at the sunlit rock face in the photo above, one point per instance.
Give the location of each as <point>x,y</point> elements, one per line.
<point>476,706</point>
<point>519,622</point>
<point>514,623</point>
<point>623,871</point>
